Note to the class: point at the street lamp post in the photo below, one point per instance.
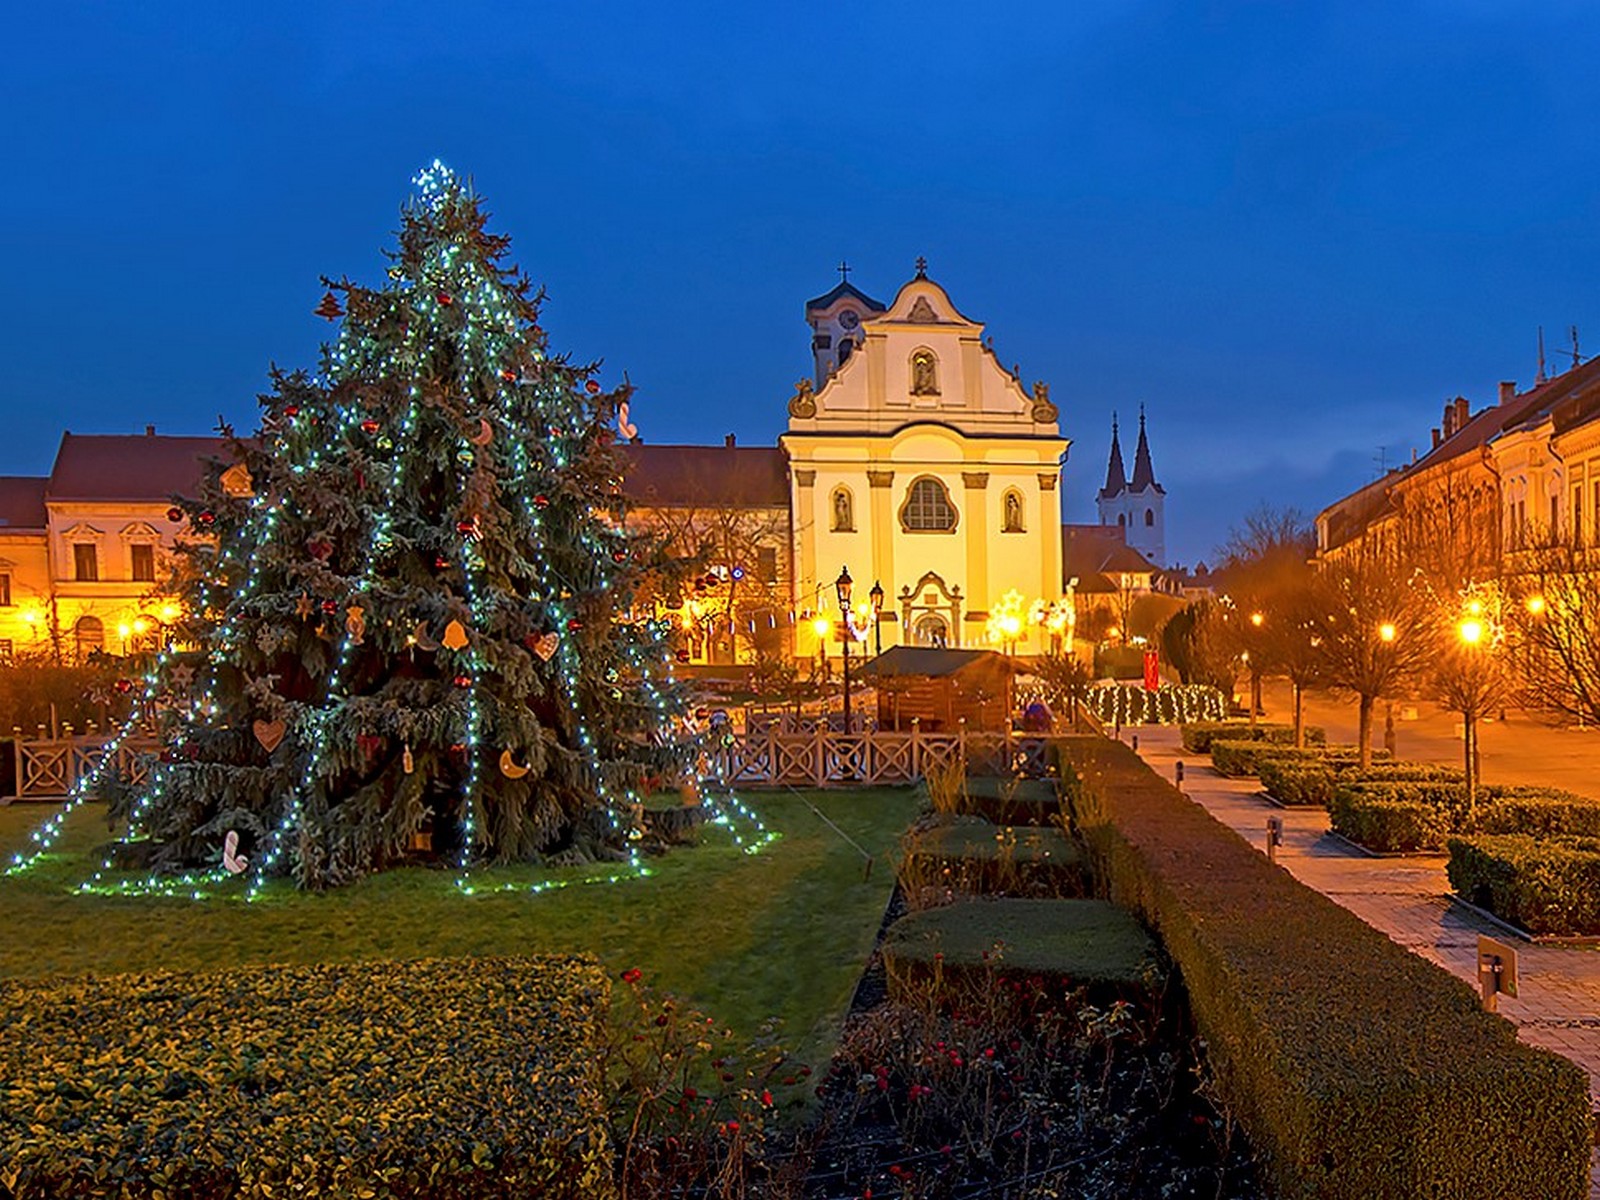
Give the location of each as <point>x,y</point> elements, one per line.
<point>876,595</point>
<point>1470,631</point>
<point>841,587</point>
<point>1256,620</point>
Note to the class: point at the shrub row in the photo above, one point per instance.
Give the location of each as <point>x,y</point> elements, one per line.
<point>1357,1068</point>
<point>1299,782</point>
<point>967,854</point>
<point>1400,816</point>
<point>1543,885</point>
<point>1239,759</point>
<point>1009,801</point>
<point>1086,944</point>
<point>1198,735</point>
<point>441,1078</point>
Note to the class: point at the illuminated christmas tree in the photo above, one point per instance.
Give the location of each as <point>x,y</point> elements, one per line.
<point>412,594</point>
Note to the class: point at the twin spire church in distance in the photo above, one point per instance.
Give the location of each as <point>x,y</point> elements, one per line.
<point>1135,505</point>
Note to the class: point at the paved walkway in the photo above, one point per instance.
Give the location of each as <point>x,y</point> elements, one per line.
<point>1409,898</point>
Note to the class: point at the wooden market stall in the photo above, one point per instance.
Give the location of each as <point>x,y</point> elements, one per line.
<point>940,688</point>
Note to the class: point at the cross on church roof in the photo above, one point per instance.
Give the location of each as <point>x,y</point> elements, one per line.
<point>922,267</point>
<point>844,270</point>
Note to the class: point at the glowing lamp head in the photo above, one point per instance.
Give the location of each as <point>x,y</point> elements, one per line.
<point>1535,605</point>
<point>124,629</point>
<point>169,612</point>
<point>1470,631</point>
<point>821,626</point>
<point>1256,619</point>
<point>1386,631</point>
<point>140,625</point>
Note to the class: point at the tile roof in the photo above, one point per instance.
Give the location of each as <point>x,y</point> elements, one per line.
<point>843,288</point>
<point>689,476</point>
<point>22,502</point>
<point>1090,550</point>
<point>148,467</point>
<point>932,662</point>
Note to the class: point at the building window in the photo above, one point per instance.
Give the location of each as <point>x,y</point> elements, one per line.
<point>845,347</point>
<point>5,589</point>
<point>1577,516</point>
<point>89,635</point>
<point>1122,520</point>
<point>924,373</point>
<point>85,562</point>
<point>1149,518</point>
<point>142,558</point>
<point>928,507</point>
<point>766,564</point>
<point>844,514</point>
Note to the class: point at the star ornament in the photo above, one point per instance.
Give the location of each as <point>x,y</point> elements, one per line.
<point>303,606</point>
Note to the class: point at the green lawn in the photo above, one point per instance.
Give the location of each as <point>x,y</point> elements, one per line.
<point>781,933</point>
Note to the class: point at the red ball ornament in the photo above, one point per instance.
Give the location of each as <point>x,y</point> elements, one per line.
<point>462,681</point>
<point>370,426</point>
<point>174,513</point>
<point>330,606</point>
<point>541,501</point>
<point>207,518</point>
<point>619,556</point>
<point>574,625</point>
<point>440,562</point>
<point>123,686</point>
<point>592,387</point>
<point>508,375</point>
<point>445,299</point>
<point>466,527</point>
<point>291,410</point>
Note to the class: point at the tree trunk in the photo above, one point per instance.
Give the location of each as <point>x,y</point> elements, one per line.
<point>1364,737</point>
<point>1255,695</point>
<point>1299,716</point>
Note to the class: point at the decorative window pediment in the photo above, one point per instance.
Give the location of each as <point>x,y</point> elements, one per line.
<point>82,532</point>
<point>140,531</point>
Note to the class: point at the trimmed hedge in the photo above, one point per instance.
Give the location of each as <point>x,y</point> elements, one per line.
<point>1312,784</point>
<point>1543,885</point>
<point>1409,816</point>
<point>1006,800</point>
<point>438,1078</point>
<point>1198,735</point>
<point>969,854</point>
<point>1086,943</point>
<point>1357,1068</point>
<point>1239,759</point>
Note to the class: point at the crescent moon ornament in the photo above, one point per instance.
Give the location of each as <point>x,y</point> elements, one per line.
<point>485,433</point>
<point>509,767</point>
<point>424,639</point>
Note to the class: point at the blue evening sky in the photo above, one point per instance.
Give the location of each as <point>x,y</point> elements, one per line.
<point>1291,231</point>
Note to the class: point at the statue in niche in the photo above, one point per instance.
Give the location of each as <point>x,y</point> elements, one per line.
<point>843,519</point>
<point>1013,513</point>
<point>924,376</point>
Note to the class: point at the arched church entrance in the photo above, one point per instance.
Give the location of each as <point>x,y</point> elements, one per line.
<point>932,610</point>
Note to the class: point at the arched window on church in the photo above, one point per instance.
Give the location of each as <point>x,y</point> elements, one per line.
<point>844,513</point>
<point>924,373</point>
<point>1149,518</point>
<point>1122,520</point>
<point>927,508</point>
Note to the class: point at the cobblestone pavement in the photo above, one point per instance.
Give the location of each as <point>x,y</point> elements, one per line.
<point>1409,898</point>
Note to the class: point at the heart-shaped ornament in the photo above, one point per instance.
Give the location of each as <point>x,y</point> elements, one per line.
<point>269,734</point>
<point>545,647</point>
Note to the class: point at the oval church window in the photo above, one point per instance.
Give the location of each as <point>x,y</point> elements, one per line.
<point>928,508</point>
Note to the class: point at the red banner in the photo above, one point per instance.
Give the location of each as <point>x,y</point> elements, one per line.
<point>1152,671</point>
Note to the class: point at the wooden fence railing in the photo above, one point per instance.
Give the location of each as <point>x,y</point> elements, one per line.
<point>824,758</point>
<point>51,767</point>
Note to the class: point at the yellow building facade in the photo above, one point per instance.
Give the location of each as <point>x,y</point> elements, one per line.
<point>924,467</point>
